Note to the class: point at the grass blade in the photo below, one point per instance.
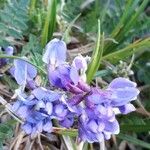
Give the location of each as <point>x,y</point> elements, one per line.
<point>127,51</point>
<point>64,37</point>
<point>96,56</point>
<point>133,140</point>
<point>50,22</point>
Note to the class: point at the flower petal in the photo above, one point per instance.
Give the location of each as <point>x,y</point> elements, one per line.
<point>55,53</point>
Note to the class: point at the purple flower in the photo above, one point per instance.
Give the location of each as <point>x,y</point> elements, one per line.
<point>8,51</point>
<point>67,78</point>
<point>122,91</point>
<point>23,72</point>
<point>80,64</point>
<point>61,74</point>
<point>38,110</point>
<point>96,126</point>
<point>55,53</point>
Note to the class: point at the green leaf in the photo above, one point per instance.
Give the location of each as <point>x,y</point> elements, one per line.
<point>134,140</point>
<point>14,22</point>
<point>127,21</point>
<point>102,73</point>
<point>6,131</point>
<point>96,56</point>
<point>135,128</point>
<point>66,34</point>
<point>127,51</point>
<point>50,22</point>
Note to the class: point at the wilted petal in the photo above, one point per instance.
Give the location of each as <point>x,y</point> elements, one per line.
<point>75,99</point>
<point>55,53</point>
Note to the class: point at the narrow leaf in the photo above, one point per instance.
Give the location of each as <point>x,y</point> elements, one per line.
<point>96,56</point>
<point>133,140</point>
<point>127,51</point>
<point>50,22</point>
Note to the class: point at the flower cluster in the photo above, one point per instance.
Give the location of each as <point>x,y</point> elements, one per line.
<point>38,110</point>
<point>94,108</point>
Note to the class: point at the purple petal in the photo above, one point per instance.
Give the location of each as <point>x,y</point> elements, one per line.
<point>100,137</point>
<point>34,132</point>
<point>60,111</point>
<point>125,109</point>
<point>107,135</point>
<point>44,94</point>
<point>27,128</point>
<point>74,75</point>
<point>31,71</point>
<point>101,126</point>
<point>40,104</point>
<point>55,53</point>
<point>47,126</point>
<point>16,106</point>
<point>54,78</point>
<point>96,98</point>
<point>67,122</point>
<point>123,96</point>
<point>23,112</point>
<point>39,126</point>
<point>20,72</point>
<point>92,125</point>
<point>102,110</point>
<point>49,108</point>
<point>112,127</point>
<point>9,50</point>
<point>121,83</point>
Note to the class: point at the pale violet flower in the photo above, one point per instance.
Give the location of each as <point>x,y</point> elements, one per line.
<point>23,72</point>
<point>55,52</point>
